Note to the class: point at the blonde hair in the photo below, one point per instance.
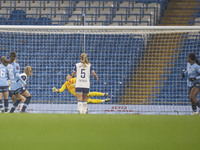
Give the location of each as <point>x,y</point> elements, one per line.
<point>4,61</point>
<point>28,70</point>
<point>84,59</point>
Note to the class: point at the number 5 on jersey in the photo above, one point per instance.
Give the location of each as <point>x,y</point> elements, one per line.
<point>82,73</point>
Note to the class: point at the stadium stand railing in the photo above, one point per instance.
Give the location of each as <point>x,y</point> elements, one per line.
<point>98,12</point>
<point>195,17</point>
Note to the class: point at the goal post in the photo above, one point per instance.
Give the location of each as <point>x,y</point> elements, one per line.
<point>140,67</point>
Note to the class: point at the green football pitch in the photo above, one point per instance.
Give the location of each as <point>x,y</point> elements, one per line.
<point>98,132</point>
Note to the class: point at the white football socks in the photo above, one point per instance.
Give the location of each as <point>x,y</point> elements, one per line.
<point>82,107</point>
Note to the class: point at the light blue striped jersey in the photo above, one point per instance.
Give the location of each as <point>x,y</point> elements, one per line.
<point>4,78</point>
<point>193,71</point>
<point>14,75</point>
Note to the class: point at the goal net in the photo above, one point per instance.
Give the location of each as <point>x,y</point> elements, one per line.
<point>140,67</point>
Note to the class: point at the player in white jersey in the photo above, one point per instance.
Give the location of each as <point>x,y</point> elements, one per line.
<point>4,84</point>
<point>23,96</point>
<point>82,71</point>
<point>193,81</point>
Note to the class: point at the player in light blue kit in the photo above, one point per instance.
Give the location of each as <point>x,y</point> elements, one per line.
<point>193,81</point>
<point>24,76</point>
<point>16,81</point>
<point>4,84</point>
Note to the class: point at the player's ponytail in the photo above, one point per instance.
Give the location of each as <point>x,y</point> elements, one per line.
<point>84,59</point>
<point>13,56</point>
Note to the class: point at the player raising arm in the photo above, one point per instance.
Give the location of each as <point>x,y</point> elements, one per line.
<point>70,86</point>
<point>4,84</point>
<point>193,81</point>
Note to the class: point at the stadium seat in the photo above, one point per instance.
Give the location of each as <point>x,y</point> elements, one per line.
<point>44,21</point>
<point>102,11</point>
<point>14,21</point>
<point>30,21</point>
<point>127,13</point>
<point>171,84</point>
<point>18,15</point>
<point>3,21</point>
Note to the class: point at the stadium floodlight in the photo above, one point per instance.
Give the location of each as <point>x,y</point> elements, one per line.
<point>140,67</point>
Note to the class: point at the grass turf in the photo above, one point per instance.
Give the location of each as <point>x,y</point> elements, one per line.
<point>98,132</point>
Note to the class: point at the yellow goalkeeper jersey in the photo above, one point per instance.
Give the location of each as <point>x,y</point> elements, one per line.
<point>70,86</point>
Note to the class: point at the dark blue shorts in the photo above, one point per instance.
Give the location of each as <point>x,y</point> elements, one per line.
<point>83,90</point>
<point>3,88</point>
<point>10,93</point>
<point>20,90</point>
<point>195,85</point>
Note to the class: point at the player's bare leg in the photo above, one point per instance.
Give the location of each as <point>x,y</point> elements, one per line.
<point>1,106</point>
<point>17,99</point>
<point>193,98</point>
<point>28,99</point>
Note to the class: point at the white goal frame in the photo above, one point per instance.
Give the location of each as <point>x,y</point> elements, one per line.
<point>110,108</point>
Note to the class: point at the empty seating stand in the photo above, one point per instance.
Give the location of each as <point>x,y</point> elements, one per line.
<point>195,17</point>
<point>3,21</point>
<point>44,21</point>
<point>30,21</point>
<point>57,60</point>
<point>175,90</point>
<point>97,12</point>
<point>17,17</point>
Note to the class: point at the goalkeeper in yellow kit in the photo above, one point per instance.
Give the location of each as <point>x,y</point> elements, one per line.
<point>70,86</point>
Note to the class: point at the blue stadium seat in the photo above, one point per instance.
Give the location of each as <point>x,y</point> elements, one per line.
<point>44,21</point>
<point>14,21</point>
<point>18,15</point>
<point>30,21</point>
<point>3,21</point>
<point>175,89</point>
<point>96,12</point>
